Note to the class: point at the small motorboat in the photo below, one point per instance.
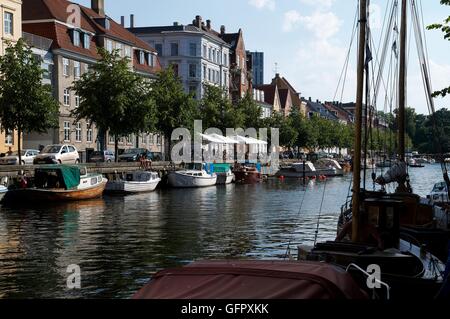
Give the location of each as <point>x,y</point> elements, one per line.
<point>247,174</point>
<point>135,182</point>
<point>224,173</point>
<point>414,163</point>
<point>195,175</point>
<point>57,183</point>
<point>328,167</point>
<point>298,170</point>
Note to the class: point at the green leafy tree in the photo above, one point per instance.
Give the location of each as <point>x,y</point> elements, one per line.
<point>114,98</point>
<point>306,133</point>
<point>287,133</point>
<point>217,111</point>
<point>26,105</point>
<point>175,108</point>
<point>445,28</point>
<point>250,111</point>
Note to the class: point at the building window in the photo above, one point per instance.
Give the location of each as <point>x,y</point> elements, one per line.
<point>9,23</point>
<point>174,49</point>
<point>89,133</point>
<point>204,72</point>
<point>151,60</point>
<point>128,139</point>
<point>210,54</point>
<point>225,59</point>
<point>66,97</point>
<point>193,49</point>
<point>119,48</point>
<point>209,75</point>
<point>9,137</point>
<point>77,100</point>
<point>76,38</point>
<point>192,70</point>
<point>128,52</point>
<point>67,131</point>
<point>205,49</point>
<point>109,46</point>
<point>175,68</point>
<point>158,48</point>
<point>225,80</point>
<point>87,41</point>
<point>66,65</point>
<point>193,90</point>
<point>78,133</point>
<point>111,139</point>
<point>214,55</point>
<point>141,57</point>
<point>76,69</point>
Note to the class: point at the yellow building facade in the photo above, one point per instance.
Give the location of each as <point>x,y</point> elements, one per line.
<point>10,30</point>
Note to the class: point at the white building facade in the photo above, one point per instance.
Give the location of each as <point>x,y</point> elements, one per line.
<point>197,55</point>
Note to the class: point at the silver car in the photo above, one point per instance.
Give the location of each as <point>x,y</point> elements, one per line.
<point>27,158</point>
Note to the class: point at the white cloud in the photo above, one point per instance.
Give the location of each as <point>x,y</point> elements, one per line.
<point>291,20</point>
<point>262,4</point>
<point>324,25</point>
<point>319,3</point>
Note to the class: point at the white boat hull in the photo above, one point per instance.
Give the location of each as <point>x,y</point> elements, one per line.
<point>131,187</point>
<point>178,180</point>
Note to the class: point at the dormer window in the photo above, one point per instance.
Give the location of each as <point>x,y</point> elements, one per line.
<point>87,41</point>
<point>107,24</point>
<point>76,38</point>
<point>141,57</point>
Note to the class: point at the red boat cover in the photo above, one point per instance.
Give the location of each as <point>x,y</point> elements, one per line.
<point>252,280</point>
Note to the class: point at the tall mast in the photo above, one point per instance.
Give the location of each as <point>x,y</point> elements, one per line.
<point>402,84</point>
<point>358,127</point>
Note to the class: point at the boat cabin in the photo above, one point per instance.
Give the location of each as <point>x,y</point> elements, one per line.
<point>59,177</point>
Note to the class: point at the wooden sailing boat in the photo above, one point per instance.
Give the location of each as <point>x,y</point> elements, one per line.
<point>406,270</point>
<point>375,228</point>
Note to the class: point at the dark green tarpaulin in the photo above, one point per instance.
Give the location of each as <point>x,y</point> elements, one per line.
<point>69,175</point>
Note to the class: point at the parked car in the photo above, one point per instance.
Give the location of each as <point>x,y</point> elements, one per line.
<point>134,155</point>
<point>27,158</point>
<point>58,154</point>
<point>102,157</point>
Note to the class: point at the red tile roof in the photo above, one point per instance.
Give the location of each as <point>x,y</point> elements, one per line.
<point>34,10</point>
<point>269,92</point>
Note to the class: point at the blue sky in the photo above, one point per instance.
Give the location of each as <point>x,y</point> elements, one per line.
<point>308,39</point>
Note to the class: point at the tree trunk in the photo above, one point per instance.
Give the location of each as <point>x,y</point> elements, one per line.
<point>19,145</point>
<point>167,154</point>
<point>116,148</point>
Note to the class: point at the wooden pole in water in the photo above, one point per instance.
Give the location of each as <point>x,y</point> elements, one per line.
<point>402,84</point>
<point>358,127</point>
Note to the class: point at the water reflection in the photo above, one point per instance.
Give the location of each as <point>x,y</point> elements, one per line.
<point>119,242</point>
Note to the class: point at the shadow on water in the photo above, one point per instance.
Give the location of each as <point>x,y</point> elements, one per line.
<point>119,242</point>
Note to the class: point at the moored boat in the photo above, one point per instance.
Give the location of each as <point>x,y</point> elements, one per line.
<point>224,174</point>
<point>194,176</point>
<point>58,183</point>
<point>134,182</point>
<point>3,191</point>
<point>247,174</point>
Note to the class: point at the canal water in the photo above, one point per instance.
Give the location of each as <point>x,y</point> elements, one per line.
<point>119,242</point>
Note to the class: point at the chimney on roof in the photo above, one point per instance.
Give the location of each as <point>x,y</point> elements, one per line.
<point>310,100</point>
<point>222,29</point>
<point>198,21</point>
<point>131,20</point>
<point>122,21</point>
<point>208,24</point>
<point>98,6</point>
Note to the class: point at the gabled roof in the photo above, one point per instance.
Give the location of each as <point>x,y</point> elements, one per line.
<point>269,92</point>
<point>284,97</point>
<point>34,10</point>
<point>319,108</point>
<point>47,18</point>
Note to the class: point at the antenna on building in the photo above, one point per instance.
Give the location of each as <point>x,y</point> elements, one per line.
<point>276,68</point>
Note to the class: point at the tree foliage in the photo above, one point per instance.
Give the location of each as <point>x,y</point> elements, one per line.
<point>445,28</point>
<point>114,98</point>
<point>26,105</point>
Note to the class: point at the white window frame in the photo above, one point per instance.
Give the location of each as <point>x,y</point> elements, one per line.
<point>8,23</point>
<point>78,133</point>
<point>141,57</point>
<point>86,41</point>
<point>89,133</point>
<point>76,38</point>
<point>77,100</point>
<point>77,69</point>
<point>193,49</point>
<point>9,138</point>
<point>109,45</point>
<point>66,99</point>
<point>119,47</point>
<point>66,131</point>
<point>66,66</point>
<point>128,51</point>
